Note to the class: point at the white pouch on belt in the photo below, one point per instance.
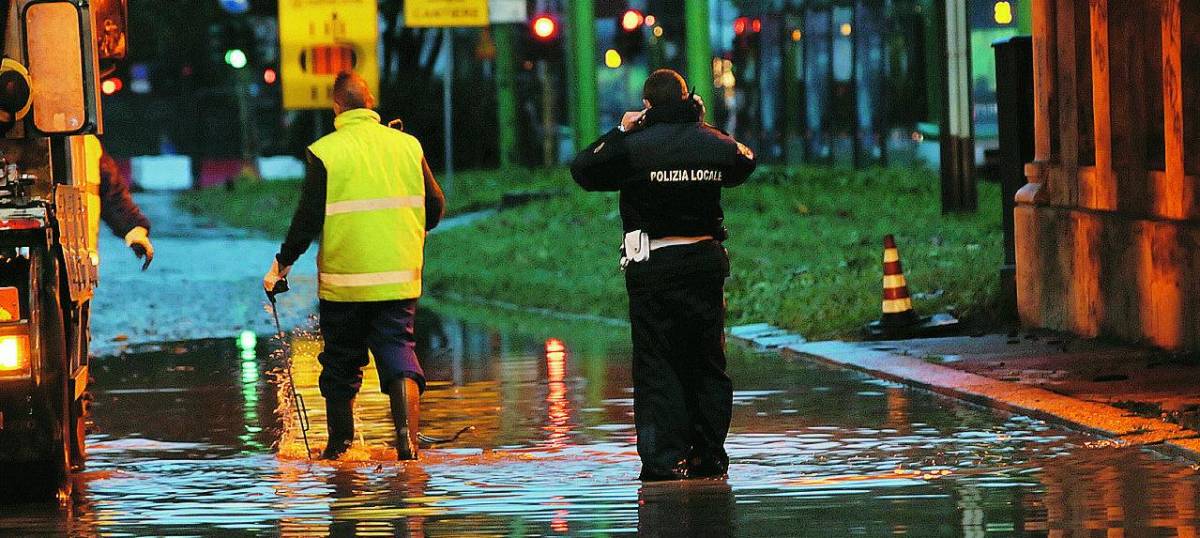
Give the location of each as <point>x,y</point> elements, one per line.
<point>637,248</point>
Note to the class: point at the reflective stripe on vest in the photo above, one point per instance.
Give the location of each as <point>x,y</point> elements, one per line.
<point>337,208</point>
<point>373,239</point>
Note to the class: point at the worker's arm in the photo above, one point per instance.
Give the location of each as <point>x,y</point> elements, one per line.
<point>310,213</point>
<point>435,199</point>
<point>744,164</point>
<point>117,208</point>
<point>604,165</point>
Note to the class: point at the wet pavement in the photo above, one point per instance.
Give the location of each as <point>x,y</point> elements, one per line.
<point>194,439</point>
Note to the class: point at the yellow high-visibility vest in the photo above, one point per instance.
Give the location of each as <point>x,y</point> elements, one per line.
<point>373,241</point>
<point>93,151</point>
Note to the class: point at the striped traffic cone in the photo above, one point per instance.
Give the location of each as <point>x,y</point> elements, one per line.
<point>899,320</point>
<point>897,304</point>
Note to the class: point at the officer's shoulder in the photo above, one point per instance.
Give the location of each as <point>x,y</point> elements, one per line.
<point>713,130</point>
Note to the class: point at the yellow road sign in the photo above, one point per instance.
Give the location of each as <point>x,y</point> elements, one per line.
<point>319,39</point>
<point>445,13</point>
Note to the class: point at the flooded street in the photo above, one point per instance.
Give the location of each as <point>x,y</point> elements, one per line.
<point>195,439</point>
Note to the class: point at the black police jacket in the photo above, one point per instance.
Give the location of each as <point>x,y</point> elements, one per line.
<point>669,170</point>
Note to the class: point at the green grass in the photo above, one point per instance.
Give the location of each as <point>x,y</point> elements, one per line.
<point>805,244</point>
<point>267,206</point>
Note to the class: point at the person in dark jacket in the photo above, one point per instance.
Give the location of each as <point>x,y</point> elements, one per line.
<point>121,213</point>
<point>669,167</point>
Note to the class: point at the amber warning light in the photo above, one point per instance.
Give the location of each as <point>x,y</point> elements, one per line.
<point>14,355</point>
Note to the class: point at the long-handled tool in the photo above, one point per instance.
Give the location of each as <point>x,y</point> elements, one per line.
<point>297,399</point>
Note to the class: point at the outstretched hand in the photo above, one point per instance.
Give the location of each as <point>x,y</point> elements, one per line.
<point>138,240</point>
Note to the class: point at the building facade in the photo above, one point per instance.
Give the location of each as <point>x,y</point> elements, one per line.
<point>1108,227</point>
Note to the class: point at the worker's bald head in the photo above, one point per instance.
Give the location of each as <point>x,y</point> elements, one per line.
<point>350,91</point>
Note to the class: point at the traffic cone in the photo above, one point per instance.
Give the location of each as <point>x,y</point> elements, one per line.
<point>897,304</point>
<point>899,319</point>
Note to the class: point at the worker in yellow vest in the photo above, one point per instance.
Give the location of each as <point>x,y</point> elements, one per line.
<point>109,200</point>
<point>371,197</point>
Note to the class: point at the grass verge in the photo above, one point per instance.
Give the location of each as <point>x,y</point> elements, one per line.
<point>267,206</point>
<point>805,244</point>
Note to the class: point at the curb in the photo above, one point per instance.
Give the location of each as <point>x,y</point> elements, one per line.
<point>1095,418</point>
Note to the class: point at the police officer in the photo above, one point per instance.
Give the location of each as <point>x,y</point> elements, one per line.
<point>669,167</point>
<point>371,197</point>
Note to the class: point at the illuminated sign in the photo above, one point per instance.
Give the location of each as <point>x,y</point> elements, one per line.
<point>321,38</point>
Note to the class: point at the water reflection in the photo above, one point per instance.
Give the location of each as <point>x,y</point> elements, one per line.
<point>188,436</point>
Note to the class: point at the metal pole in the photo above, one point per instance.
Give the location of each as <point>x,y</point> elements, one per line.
<point>855,118</point>
<point>506,95</point>
<point>582,28</point>
<point>699,52</point>
<point>448,109</point>
<point>549,136</point>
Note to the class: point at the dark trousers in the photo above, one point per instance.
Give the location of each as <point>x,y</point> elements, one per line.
<point>683,399</point>
<point>351,329</point>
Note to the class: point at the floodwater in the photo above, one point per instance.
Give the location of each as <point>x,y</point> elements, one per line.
<point>196,439</point>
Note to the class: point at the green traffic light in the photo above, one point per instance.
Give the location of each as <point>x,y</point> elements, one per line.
<point>236,58</point>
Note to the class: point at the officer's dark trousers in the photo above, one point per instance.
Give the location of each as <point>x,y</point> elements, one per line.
<point>683,398</point>
<point>350,329</point>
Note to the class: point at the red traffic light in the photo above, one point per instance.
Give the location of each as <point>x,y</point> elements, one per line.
<point>270,75</point>
<point>545,27</point>
<point>632,20</point>
<point>111,85</point>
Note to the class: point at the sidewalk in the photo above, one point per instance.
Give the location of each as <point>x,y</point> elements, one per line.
<point>205,282</point>
<point>1130,395</point>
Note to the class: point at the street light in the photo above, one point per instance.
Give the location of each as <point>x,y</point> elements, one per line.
<point>612,59</point>
<point>1003,13</point>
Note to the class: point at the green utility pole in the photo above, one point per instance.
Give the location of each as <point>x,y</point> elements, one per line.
<point>506,94</point>
<point>699,51</point>
<point>1024,13</point>
<point>582,64</point>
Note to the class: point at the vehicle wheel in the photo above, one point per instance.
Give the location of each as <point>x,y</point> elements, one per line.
<point>81,409</point>
<point>49,341</point>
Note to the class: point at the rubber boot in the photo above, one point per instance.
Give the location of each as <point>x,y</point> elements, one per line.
<point>406,415</point>
<point>339,415</point>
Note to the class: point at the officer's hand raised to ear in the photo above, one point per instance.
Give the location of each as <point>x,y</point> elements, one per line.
<point>632,119</point>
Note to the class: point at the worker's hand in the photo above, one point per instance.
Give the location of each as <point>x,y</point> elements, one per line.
<point>274,275</point>
<point>632,119</point>
<point>138,240</point>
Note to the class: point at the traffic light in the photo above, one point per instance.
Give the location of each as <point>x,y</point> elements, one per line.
<point>544,39</point>
<point>631,39</point>
<point>236,58</point>
<point>746,33</point>
<point>111,85</point>
<point>545,27</point>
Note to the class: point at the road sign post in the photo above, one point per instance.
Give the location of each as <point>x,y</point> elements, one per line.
<point>447,14</point>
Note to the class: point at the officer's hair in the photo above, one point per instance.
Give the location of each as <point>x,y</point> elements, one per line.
<point>663,87</point>
<point>350,91</point>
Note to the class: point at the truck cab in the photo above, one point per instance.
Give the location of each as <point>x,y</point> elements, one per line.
<point>54,53</point>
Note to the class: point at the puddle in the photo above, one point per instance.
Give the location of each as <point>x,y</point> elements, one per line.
<point>195,439</point>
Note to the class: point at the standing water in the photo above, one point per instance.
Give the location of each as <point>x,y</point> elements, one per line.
<point>196,438</point>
